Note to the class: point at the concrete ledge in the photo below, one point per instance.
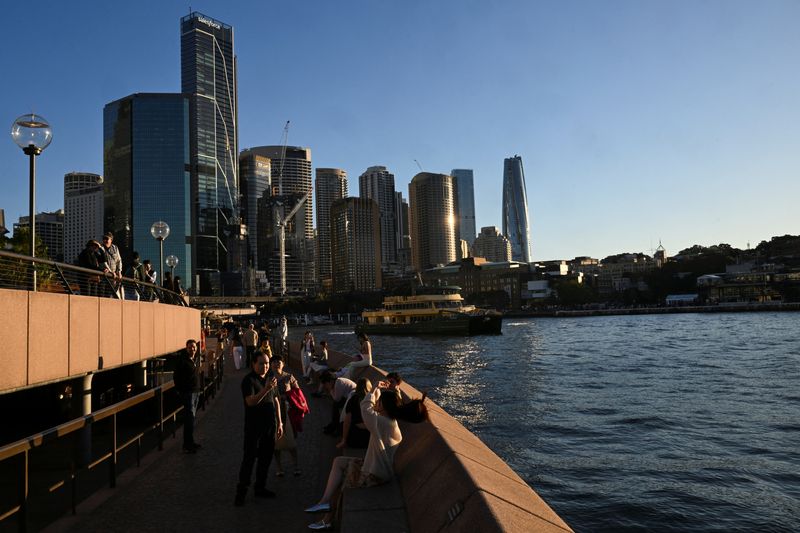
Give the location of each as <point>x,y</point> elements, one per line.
<point>450,481</point>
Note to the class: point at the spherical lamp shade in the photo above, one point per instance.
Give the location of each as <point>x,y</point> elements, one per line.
<point>32,130</point>
<point>171,261</point>
<point>159,230</point>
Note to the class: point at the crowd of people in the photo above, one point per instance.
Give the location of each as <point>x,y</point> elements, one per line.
<point>106,260</point>
<point>364,414</point>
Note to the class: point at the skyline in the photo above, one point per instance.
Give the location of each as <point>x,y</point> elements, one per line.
<point>636,123</point>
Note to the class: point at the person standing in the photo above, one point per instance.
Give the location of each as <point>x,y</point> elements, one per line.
<point>283,336</point>
<point>113,262</point>
<point>135,272</point>
<point>306,353</point>
<point>262,424</point>
<point>250,340</point>
<point>150,276</point>
<point>187,382</point>
<point>91,258</point>
<point>287,442</point>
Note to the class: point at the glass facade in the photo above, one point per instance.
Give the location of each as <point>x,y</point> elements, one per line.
<point>147,179</point>
<point>255,175</point>
<point>355,245</point>
<point>433,236</point>
<point>515,209</point>
<point>464,204</point>
<point>208,74</point>
<point>331,185</point>
<point>377,183</point>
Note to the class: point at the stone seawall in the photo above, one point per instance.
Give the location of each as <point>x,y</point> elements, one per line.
<point>450,480</point>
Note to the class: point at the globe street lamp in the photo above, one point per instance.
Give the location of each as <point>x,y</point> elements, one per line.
<point>33,134</point>
<point>172,262</point>
<point>160,231</point>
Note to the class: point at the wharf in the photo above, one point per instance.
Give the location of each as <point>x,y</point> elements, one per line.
<point>177,492</point>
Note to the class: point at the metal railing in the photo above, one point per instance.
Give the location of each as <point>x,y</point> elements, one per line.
<point>22,450</point>
<point>16,272</point>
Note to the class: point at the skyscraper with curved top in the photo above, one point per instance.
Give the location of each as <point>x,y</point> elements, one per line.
<point>515,209</point>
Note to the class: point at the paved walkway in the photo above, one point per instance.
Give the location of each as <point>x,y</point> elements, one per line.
<point>176,492</point>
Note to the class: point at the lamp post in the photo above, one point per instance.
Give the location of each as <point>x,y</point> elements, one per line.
<point>172,262</point>
<point>160,231</point>
<point>33,134</point>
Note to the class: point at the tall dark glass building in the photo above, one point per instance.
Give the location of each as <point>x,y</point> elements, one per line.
<point>255,179</point>
<point>464,203</point>
<point>208,74</point>
<point>147,178</point>
<point>515,209</point>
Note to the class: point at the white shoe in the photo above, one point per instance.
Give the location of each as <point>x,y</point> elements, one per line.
<point>319,507</point>
<point>322,524</point>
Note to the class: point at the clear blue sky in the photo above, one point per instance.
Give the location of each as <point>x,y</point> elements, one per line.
<point>636,121</point>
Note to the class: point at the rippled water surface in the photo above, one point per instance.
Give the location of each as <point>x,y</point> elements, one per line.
<point>629,423</point>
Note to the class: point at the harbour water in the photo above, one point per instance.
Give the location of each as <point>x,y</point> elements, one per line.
<point>628,423</point>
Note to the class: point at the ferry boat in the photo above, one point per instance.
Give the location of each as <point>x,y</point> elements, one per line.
<point>436,311</point>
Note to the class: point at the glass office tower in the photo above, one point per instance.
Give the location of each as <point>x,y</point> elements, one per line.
<point>146,169</point>
<point>331,185</point>
<point>255,173</point>
<point>464,204</point>
<point>377,183</point>
<point>433,235</point>
<point>515,209</point>
<point>208,74</point>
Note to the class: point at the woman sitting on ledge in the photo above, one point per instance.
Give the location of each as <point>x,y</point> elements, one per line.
<point>380,410</point>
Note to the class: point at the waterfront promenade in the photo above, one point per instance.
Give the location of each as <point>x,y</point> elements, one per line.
<point>177,492</point>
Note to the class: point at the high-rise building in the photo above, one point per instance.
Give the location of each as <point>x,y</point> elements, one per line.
<point>433,236</point>
<point>83,212</point>
<point>377,183</point>
<point>492,245</point>
<point>291,180</point>
<point>49,230</point>
<point>515,209</point>
<point>255,178</point>
<point>208,75</point>
<point>464,204</point>
<point>331,185</point>
<point>402,232</point>
<point>355,245</point>
<point>147,178</point>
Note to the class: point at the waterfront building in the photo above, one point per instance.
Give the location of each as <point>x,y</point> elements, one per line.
<point>146,177</point>
<point>291,180</point>
<point>208,75</point>
<point>355,245</point>
<point>255,178</point>
<point>492,245</point>
<point>377,183</point>
<point>464,203</point>
<point>83,212</point>
<point>402,233</point>
<point>621,272</point>
<point>433,237</point>
<point>299,255</point>
<point>515,209</point>
<point>492,284</point>
<point>331,185</point>
<point>49,230</point>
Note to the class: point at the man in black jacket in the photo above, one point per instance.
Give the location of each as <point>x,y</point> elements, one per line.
<point>262,426</point>
<point>187,382</point>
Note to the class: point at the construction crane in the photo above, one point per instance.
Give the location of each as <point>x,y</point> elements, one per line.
<point>283,220</point>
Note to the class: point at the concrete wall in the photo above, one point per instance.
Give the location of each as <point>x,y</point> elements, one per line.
<point>53,336</point>
<point>452,482</point>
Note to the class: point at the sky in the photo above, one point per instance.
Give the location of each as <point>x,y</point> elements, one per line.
<point>637,122</point>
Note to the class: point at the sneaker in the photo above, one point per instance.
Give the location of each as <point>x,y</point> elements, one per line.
<point>322,524</point>
<point>319,507</point>
<point>264,493</point>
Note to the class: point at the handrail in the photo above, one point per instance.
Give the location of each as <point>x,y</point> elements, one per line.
<point>15,273</point>
<point>23,447</point>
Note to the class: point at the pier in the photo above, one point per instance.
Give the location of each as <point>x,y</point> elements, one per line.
<point>446,480</point>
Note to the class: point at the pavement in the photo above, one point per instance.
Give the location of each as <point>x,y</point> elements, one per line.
<point>176,492</point>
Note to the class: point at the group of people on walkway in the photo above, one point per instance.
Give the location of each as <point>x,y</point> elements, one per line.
<point>364,417</point>
<point>105,258</point>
